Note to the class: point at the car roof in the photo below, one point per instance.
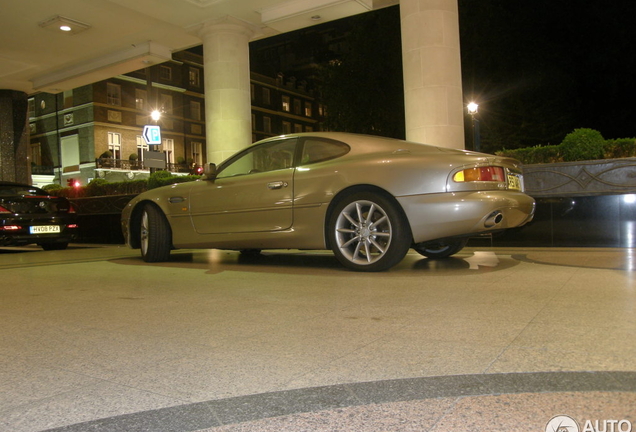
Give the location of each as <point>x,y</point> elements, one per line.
<point>7,183</point>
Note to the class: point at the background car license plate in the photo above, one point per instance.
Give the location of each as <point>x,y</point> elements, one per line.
<point>514,182</point>
<point>45,229</point>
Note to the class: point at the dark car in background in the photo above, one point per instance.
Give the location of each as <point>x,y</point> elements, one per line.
<point>30,215</point>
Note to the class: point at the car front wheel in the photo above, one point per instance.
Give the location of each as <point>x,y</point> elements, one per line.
<point>155,235</point>
<point>368,232</point>
<point>440,249</point>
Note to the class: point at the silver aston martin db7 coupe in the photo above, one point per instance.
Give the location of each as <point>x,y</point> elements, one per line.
<point>368,199</point>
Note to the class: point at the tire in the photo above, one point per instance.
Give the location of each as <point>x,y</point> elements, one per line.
<point>440,249</point>
<point>54,246</point>
<point>155,237</point>
<point>250,252</point>
<point>368,232</point>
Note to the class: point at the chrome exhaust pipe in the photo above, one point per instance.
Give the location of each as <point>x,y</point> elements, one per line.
<point>493,219</point>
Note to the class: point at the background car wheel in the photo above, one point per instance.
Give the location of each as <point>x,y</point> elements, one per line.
<point>54,246</point>
<point>440,249</point>
<point>155,236</point>
<point>368,232</point>
<point>250,252</point>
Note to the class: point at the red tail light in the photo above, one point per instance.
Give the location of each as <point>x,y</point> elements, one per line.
<point>4,210</point>
<point>10,228</point>
<point>490,173</point>
<point>71,209</point>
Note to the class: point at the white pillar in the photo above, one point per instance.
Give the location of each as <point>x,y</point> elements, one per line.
<point>432,72</point>
<point>228,116</point>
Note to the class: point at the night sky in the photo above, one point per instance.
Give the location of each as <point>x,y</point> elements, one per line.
<point>538,69</point>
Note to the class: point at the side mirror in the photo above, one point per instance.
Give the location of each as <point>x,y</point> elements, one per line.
<point>210,171</point>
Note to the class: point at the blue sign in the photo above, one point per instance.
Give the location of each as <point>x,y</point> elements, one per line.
<point>152,134</point>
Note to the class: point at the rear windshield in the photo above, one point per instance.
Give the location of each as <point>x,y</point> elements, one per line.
<point>20,190</point>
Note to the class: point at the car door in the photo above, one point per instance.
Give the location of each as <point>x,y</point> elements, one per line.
<point>253,192</point>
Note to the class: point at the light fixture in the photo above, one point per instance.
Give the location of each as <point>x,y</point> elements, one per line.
<point>472,108</point>
<point>316,18</point>
<point>155,115</point>
<point>64,25</point>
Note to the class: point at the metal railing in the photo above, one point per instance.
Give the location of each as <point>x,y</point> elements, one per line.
<point>133,165</point>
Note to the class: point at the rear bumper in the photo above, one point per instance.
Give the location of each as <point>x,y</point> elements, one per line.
<point>465,213</point>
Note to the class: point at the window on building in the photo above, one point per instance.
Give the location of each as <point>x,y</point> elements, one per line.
<point>267,125</point>
<point>298,128</point>
<point>113,94</point>
<point>308,109</point>
<point>36,153</point>
<point>195,110</point>
<point>68,98</point>
<point>196,153</point>
<point>141,146</point>
<point>287,127</point>
<point>165,73</point>
<point>166,103</point>
<point>267,98</point>
<point>286,104</point>
<point>31,107</point>
<point>114,144</point>
<point>140,99</point>
<point>167,147</point>
<point>194,77</point>
<point>297,107</point>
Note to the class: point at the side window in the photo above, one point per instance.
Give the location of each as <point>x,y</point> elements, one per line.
<point>262,158</point>
<point>318,150</point>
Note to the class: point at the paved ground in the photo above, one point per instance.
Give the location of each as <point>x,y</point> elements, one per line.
<point>94,339</point>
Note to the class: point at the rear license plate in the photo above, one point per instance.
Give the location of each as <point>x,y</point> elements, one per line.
<point>514,182</point>
<point>45,229</point>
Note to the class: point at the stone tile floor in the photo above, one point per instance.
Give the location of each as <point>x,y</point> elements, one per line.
<point>94,339</point>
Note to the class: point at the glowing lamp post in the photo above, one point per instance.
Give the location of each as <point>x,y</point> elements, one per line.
<point>472,110</point>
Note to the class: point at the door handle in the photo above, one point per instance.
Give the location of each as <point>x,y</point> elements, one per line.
<point>277,185</point>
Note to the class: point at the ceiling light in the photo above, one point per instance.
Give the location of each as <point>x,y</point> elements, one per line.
<point>66,25</point>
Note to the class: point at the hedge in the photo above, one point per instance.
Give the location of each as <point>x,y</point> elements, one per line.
<point>101,187</point>
<point>579,145</point>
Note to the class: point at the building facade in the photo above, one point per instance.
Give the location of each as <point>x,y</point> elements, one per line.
<point>95,131</point>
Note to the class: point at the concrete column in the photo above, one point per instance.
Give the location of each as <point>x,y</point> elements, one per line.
<point>432,72</point>
<point>228,114</point>
<point>14,137</point>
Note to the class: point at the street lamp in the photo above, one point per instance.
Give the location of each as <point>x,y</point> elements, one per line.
<point>472,108</point>
<point>155,115</point>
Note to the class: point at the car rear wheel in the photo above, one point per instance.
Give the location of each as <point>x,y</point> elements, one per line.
<point>155,235</point>
<point>440,249</point>
<point>368,232</point>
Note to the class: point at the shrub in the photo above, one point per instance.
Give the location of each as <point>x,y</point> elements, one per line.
<point>620,148</point>
<point>534,155</point>
<point>164,178</point>
<point>582,144</point>
<point>53,188</point>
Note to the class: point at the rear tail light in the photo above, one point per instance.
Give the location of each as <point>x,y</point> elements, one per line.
<point>11,228</point>
<point>489,173</point>
<point>4,210</point>
<point>71,209</point>
<point>72,226</point>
